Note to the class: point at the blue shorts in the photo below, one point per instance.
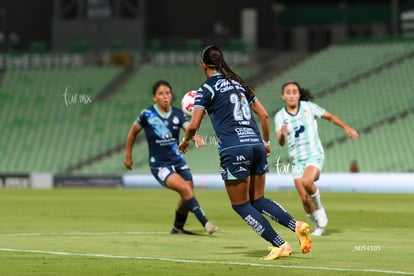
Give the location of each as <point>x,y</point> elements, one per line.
<point>162,173</point>
<point>243,161</point>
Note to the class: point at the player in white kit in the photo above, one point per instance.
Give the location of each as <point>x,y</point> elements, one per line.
<point>296,124</point>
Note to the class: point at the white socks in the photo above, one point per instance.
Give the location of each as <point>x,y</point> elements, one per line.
<point>311,217</point>
<point>316,199</point>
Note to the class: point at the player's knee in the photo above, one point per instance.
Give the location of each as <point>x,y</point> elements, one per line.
<point>187,192</point>
<point>307,183</point>
<point>181,187</point>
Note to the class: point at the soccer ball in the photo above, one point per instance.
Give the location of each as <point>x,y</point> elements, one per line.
<point>187,102</point>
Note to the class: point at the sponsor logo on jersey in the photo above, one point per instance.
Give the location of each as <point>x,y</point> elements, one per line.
<point>245,132</point>
<point>175,120</point>
<point>223,85</point>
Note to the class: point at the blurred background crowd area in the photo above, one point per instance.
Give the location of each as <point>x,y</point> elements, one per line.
<point>74,74</point>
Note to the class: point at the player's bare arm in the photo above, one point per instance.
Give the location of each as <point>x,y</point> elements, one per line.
<point>281,135</point>
<point>337,121</point>
<point>191,129</point>
<point>132,134</point>
<point>198,139</point>
<point>258,108</point>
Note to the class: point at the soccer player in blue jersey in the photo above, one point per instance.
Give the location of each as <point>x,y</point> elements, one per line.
<point>229,103</point>
<point>296,124</point>
<point>162,123</point>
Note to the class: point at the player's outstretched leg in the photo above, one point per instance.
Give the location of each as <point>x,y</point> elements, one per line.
<point>194,207</point>
<point>275,211</point>
<point>262,227</point>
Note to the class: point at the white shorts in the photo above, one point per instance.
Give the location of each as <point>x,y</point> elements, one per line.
<point>298,167</point>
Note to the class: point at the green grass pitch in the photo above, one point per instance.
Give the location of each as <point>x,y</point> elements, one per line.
<point>126,232</point>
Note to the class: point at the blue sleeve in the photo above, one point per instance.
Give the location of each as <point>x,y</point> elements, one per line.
<point>142,119</point>
<point>183,119</point>
<point>250,99</point>
<point>203,97</point>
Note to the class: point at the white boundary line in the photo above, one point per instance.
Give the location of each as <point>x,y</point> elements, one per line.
<point>79,234</point>
<point>202,262</point>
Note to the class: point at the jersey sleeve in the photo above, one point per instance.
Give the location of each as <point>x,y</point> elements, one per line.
<point>203,97</point>
<point>183,119</point>
<point>250,99</point>
<point>316,109</point>
<point>142,119</point>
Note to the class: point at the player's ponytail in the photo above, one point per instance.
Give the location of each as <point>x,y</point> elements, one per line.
<point>213,58</point>
<point>305,95</point>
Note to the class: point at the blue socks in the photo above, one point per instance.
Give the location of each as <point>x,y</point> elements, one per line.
<point>194,207</point>
<point>258,223</point>
<point>179,220</point>
<point>275,211</point>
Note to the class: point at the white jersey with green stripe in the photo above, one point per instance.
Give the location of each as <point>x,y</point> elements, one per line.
<point>302,130</point>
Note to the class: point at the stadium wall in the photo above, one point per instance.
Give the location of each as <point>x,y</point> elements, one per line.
<point>25,180</point>
<point>329,182</point>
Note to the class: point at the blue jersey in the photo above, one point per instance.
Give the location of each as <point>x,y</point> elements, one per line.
<point>162,132</point>
<point>229,112</point>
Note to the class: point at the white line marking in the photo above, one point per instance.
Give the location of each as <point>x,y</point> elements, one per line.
<point>79,234</point>
<point>203,262</point>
